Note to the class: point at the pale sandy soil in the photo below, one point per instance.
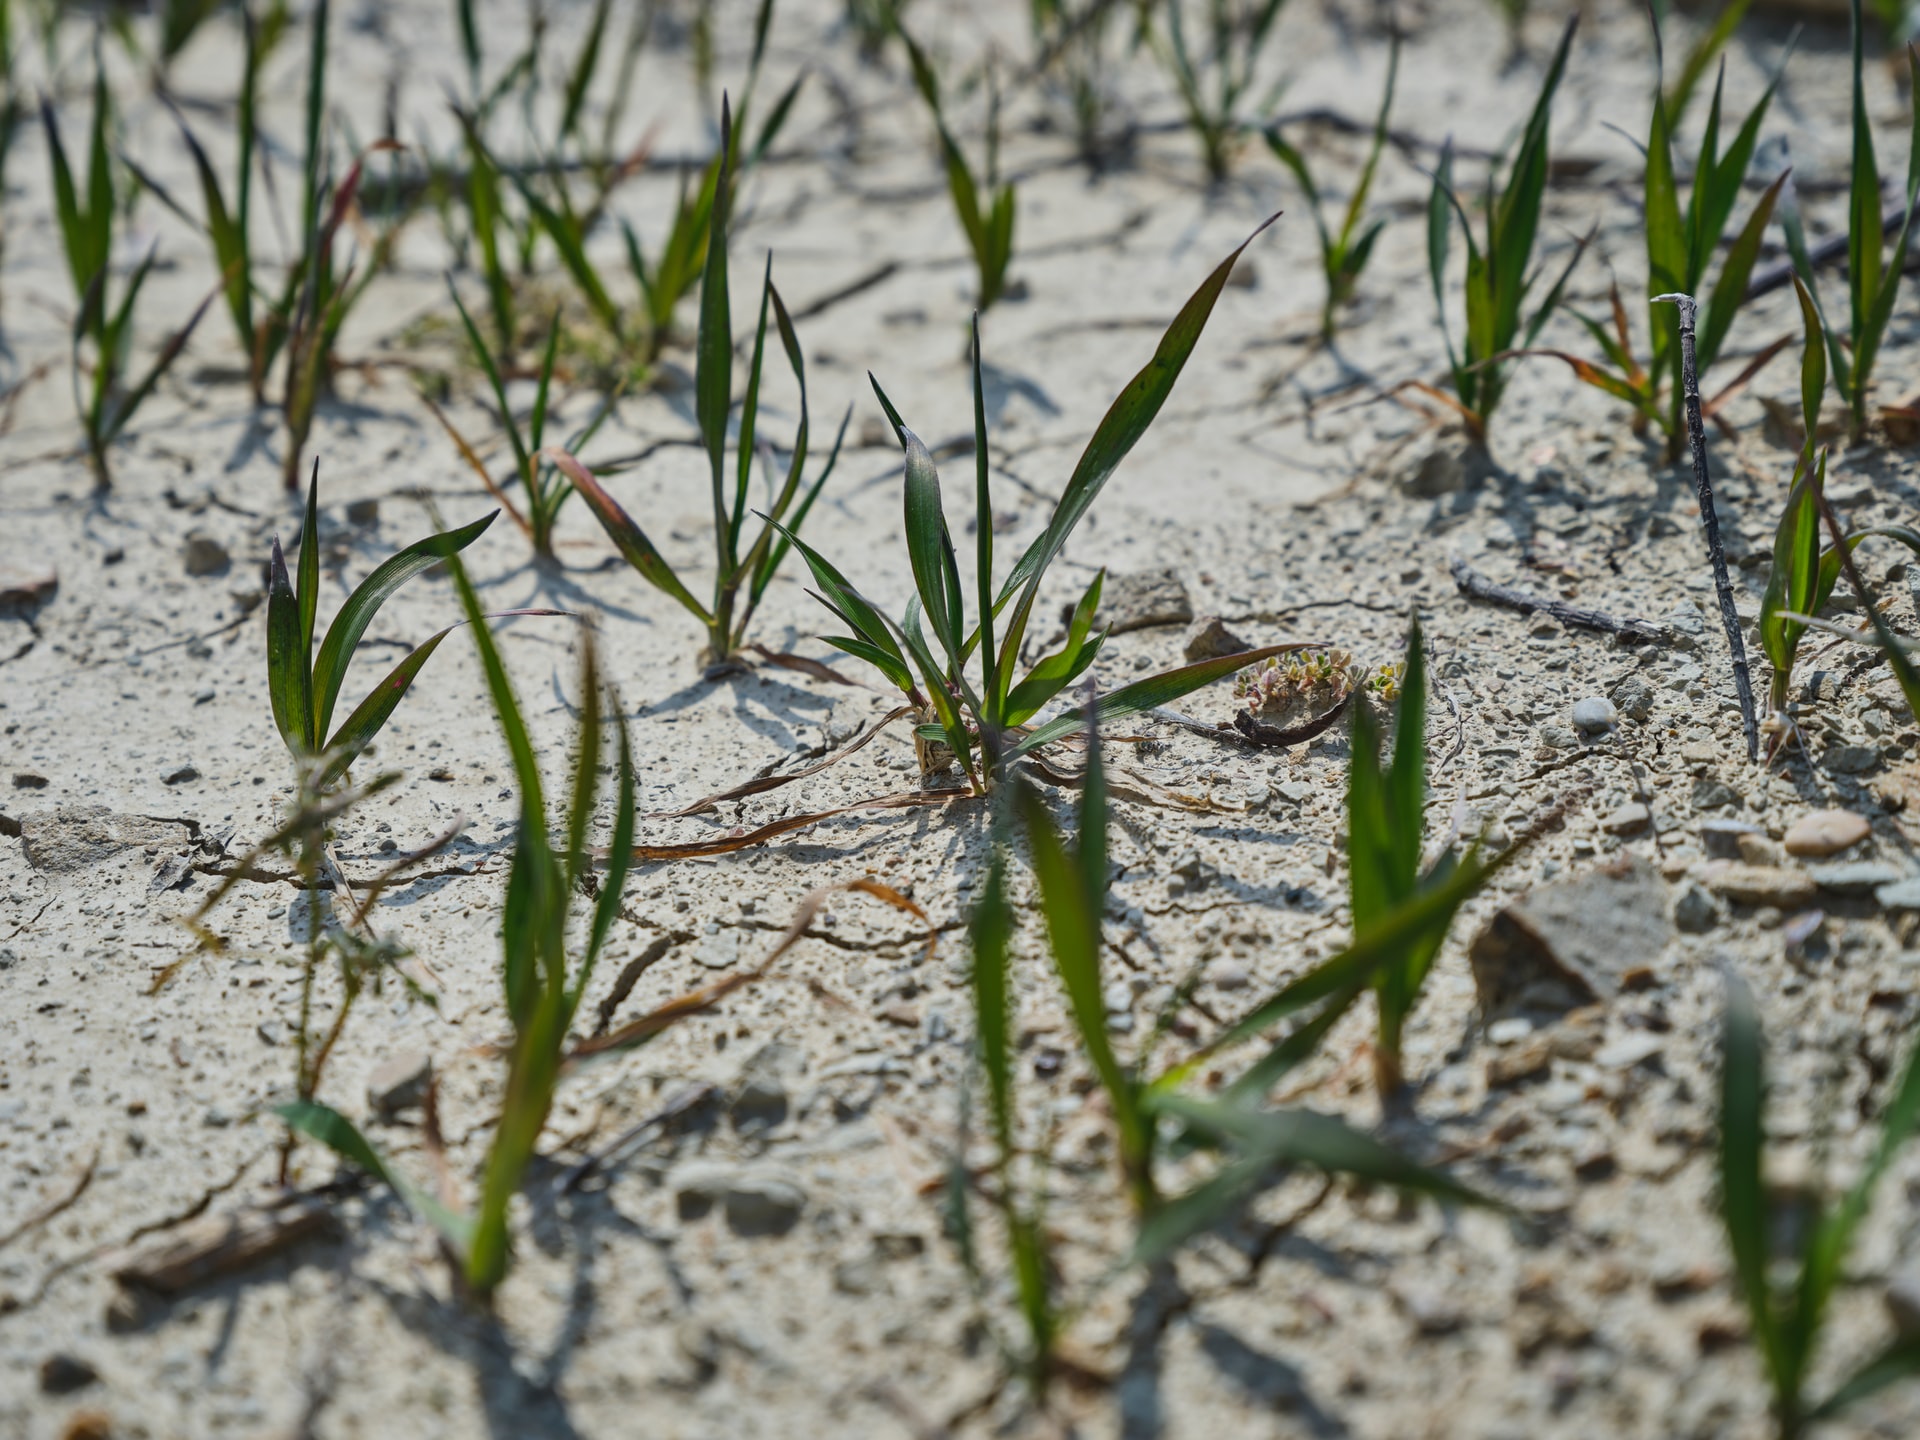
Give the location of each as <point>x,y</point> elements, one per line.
<point>1261,485</point>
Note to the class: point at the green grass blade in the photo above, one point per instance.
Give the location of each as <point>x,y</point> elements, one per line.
<point>289,679</point>
<point>713,345</point>
<point>586,764</point>
<point>1154,691</point>
<point>1729,291</point>
<point>936,572</point>
<point>619,860</point>
<point>983,543</point>
<point>991,927</point>
<point>338,1134</point>
<point>307,588</point>
<point>505,704</point>
<point>357,731</point>
<point>628,538</point>
<point>584,65</point>
<point>840,596</point>
<point>522,459</point>
<point>1899,1361</point>
<point>1743,1197</point>
<point>1060,669</point>
<point>343,635</point>
<point>750,414</point>
<point>1864,234</point>
<point>778,550</point>
<point>1126,420</point>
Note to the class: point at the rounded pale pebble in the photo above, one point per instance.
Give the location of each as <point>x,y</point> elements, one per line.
<point>1594,715</point>
<point>1825,832</point>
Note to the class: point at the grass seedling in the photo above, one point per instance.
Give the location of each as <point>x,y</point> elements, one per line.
<point>105,394</point>
<point>1385,809</point>
<point>1681,247</point>
<point>959,712</point>
<point>1343,253</point>
<point>1257,1145</point>
<point>1500,277</point>
<point>1070,38</point>
<point>304,685</point>
<point>988,227</point>
<point>740,577</point>
<point>543,487</point>
<point>1787,1294</point>
<point>1215,80</point>
<point>1873,278</point>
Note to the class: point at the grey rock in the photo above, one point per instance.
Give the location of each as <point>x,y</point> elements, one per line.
<point>1901,895</point>
<point>78,836</point>
<point>757,1199</point>
<point>1629,1050</point>
<point>760,1097</point>
<point>1143,598</point>
<point>1294,790</point>
<point>1633,697</point>
<point>1762,885</point>
<point>62,1374</point>
<point>1694,911</point>
<point>1629,819</point>
<point>1687,623</point>
<point>1850,759</point>
<point>29,780</point>
<point>1594,715</point>
<point>399,1083</point>
<point>363,512</point>
<point>204,555</point>
<point>1858,877</point>
<point>1454,462</point>
<point>1568,942</point>
<point>1710,792</point>
<point>1209,636</point>
<point>182,775</point>
<point>1721,837</point>
<point>171,873</point>
<point>1558,737</point>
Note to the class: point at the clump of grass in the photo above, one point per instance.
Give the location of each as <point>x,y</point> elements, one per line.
<point>988,226</point>
<point>1499,277</point>
<point>1070,38</point>
<point>544,488</point>
<point>1214,79</point>
<point>304,685</point>
<point>1788,1284</point>
<point>873,23</point>
<point>1344,253</point>
<point>1154,1119</point>
<point>740,577</point>
<point>1804,570</point>
<point>1873,278</point>
<point>992,714</point>
<point>106,393</point>
<point>1681,247</point>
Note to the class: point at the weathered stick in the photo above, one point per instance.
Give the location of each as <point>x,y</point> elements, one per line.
<point>1632,631</point>
<point>1716,551</point>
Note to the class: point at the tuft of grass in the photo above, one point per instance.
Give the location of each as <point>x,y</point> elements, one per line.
<point>106,393</point>
<point>992,712</point>
<point>303,684</point>
<point>1681,246</point>
<point>1070,40</point>
<point>1154,1119</point>
<point>544,487</point>
<point>1873,278</point>
<point>1804,570</point>
<point>1213,79</point>
<point>987,222</point>
<point>1787,1294</point>
<point>740,576</point>
<point>1499,277</point>
<point>1344,252</point>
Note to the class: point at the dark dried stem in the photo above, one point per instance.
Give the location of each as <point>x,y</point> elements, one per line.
<point>1716,550</point>
<point>1631,630</point>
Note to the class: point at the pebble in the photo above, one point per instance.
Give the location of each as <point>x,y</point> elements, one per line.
<point>363,512</point>
<point>1710,793</point>
<point>1629,819</point>
<point>1695,912</point>
<point>1510,1029</point>
<point>205,555</point>
<point>1825,832</point>
<point>1763,885</point>
<point>1757,849</point>
<point>1294,790</point>
<point>184,775</point>
<point>1594,715</point>
<point>1628,1051</point>
<point>1850,759</point>
<point>1633,697</point>
<point>23,588</point>
<point>1857,877</point>
<point>1558,737</point>
<point>1901,895</point>
<point>1721,836</point>
<point>29,780</point>
<point>62,1374</point>
<point>399,1083</point>
<point>1209,636</point>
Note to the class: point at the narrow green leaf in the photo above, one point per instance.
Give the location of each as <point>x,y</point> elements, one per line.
<point>628,538</point>
<point>1152,692</point>
<point>338,1134</point>
<point>289,678</point>
<point>936,572</point>
<point>713,346</point>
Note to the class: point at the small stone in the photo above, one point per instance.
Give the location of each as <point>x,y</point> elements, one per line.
<point>1142,599</point>
<point>1633,697</point>
<point>1432,1311</point>
<point>1543,626</point>
<point>761,1096</point>
<point>1721,837</point>
<point>1759,850</point>
<point>1509,1030</point>
<point>1594,716</point>
<point>1850,759</point>
<point>1209,637</point>
<point>1710,793</point>
<point>363,512</point>
<point>1825,832</point>
<point>763,1200</point>
<point>1531,1058</point>
<point>205,555</point>
<point>1558,737</point>
<point>1763,885</point>
<point>1230,977</point>
<point>183,775</point>
<point>1858,877</point>
<point>23,588</point>
<point>1694,910</point>
<point>62,1374</point>
<point>1628,1051</point>
<point>399,1083</point>
<point>1687,623</point>
<point>1294,790</point>
<point>29,780</point>
<point>1454,462</point>
<point>1901,895</point>
<point>1568,942</point>
<point>1629,819</point>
